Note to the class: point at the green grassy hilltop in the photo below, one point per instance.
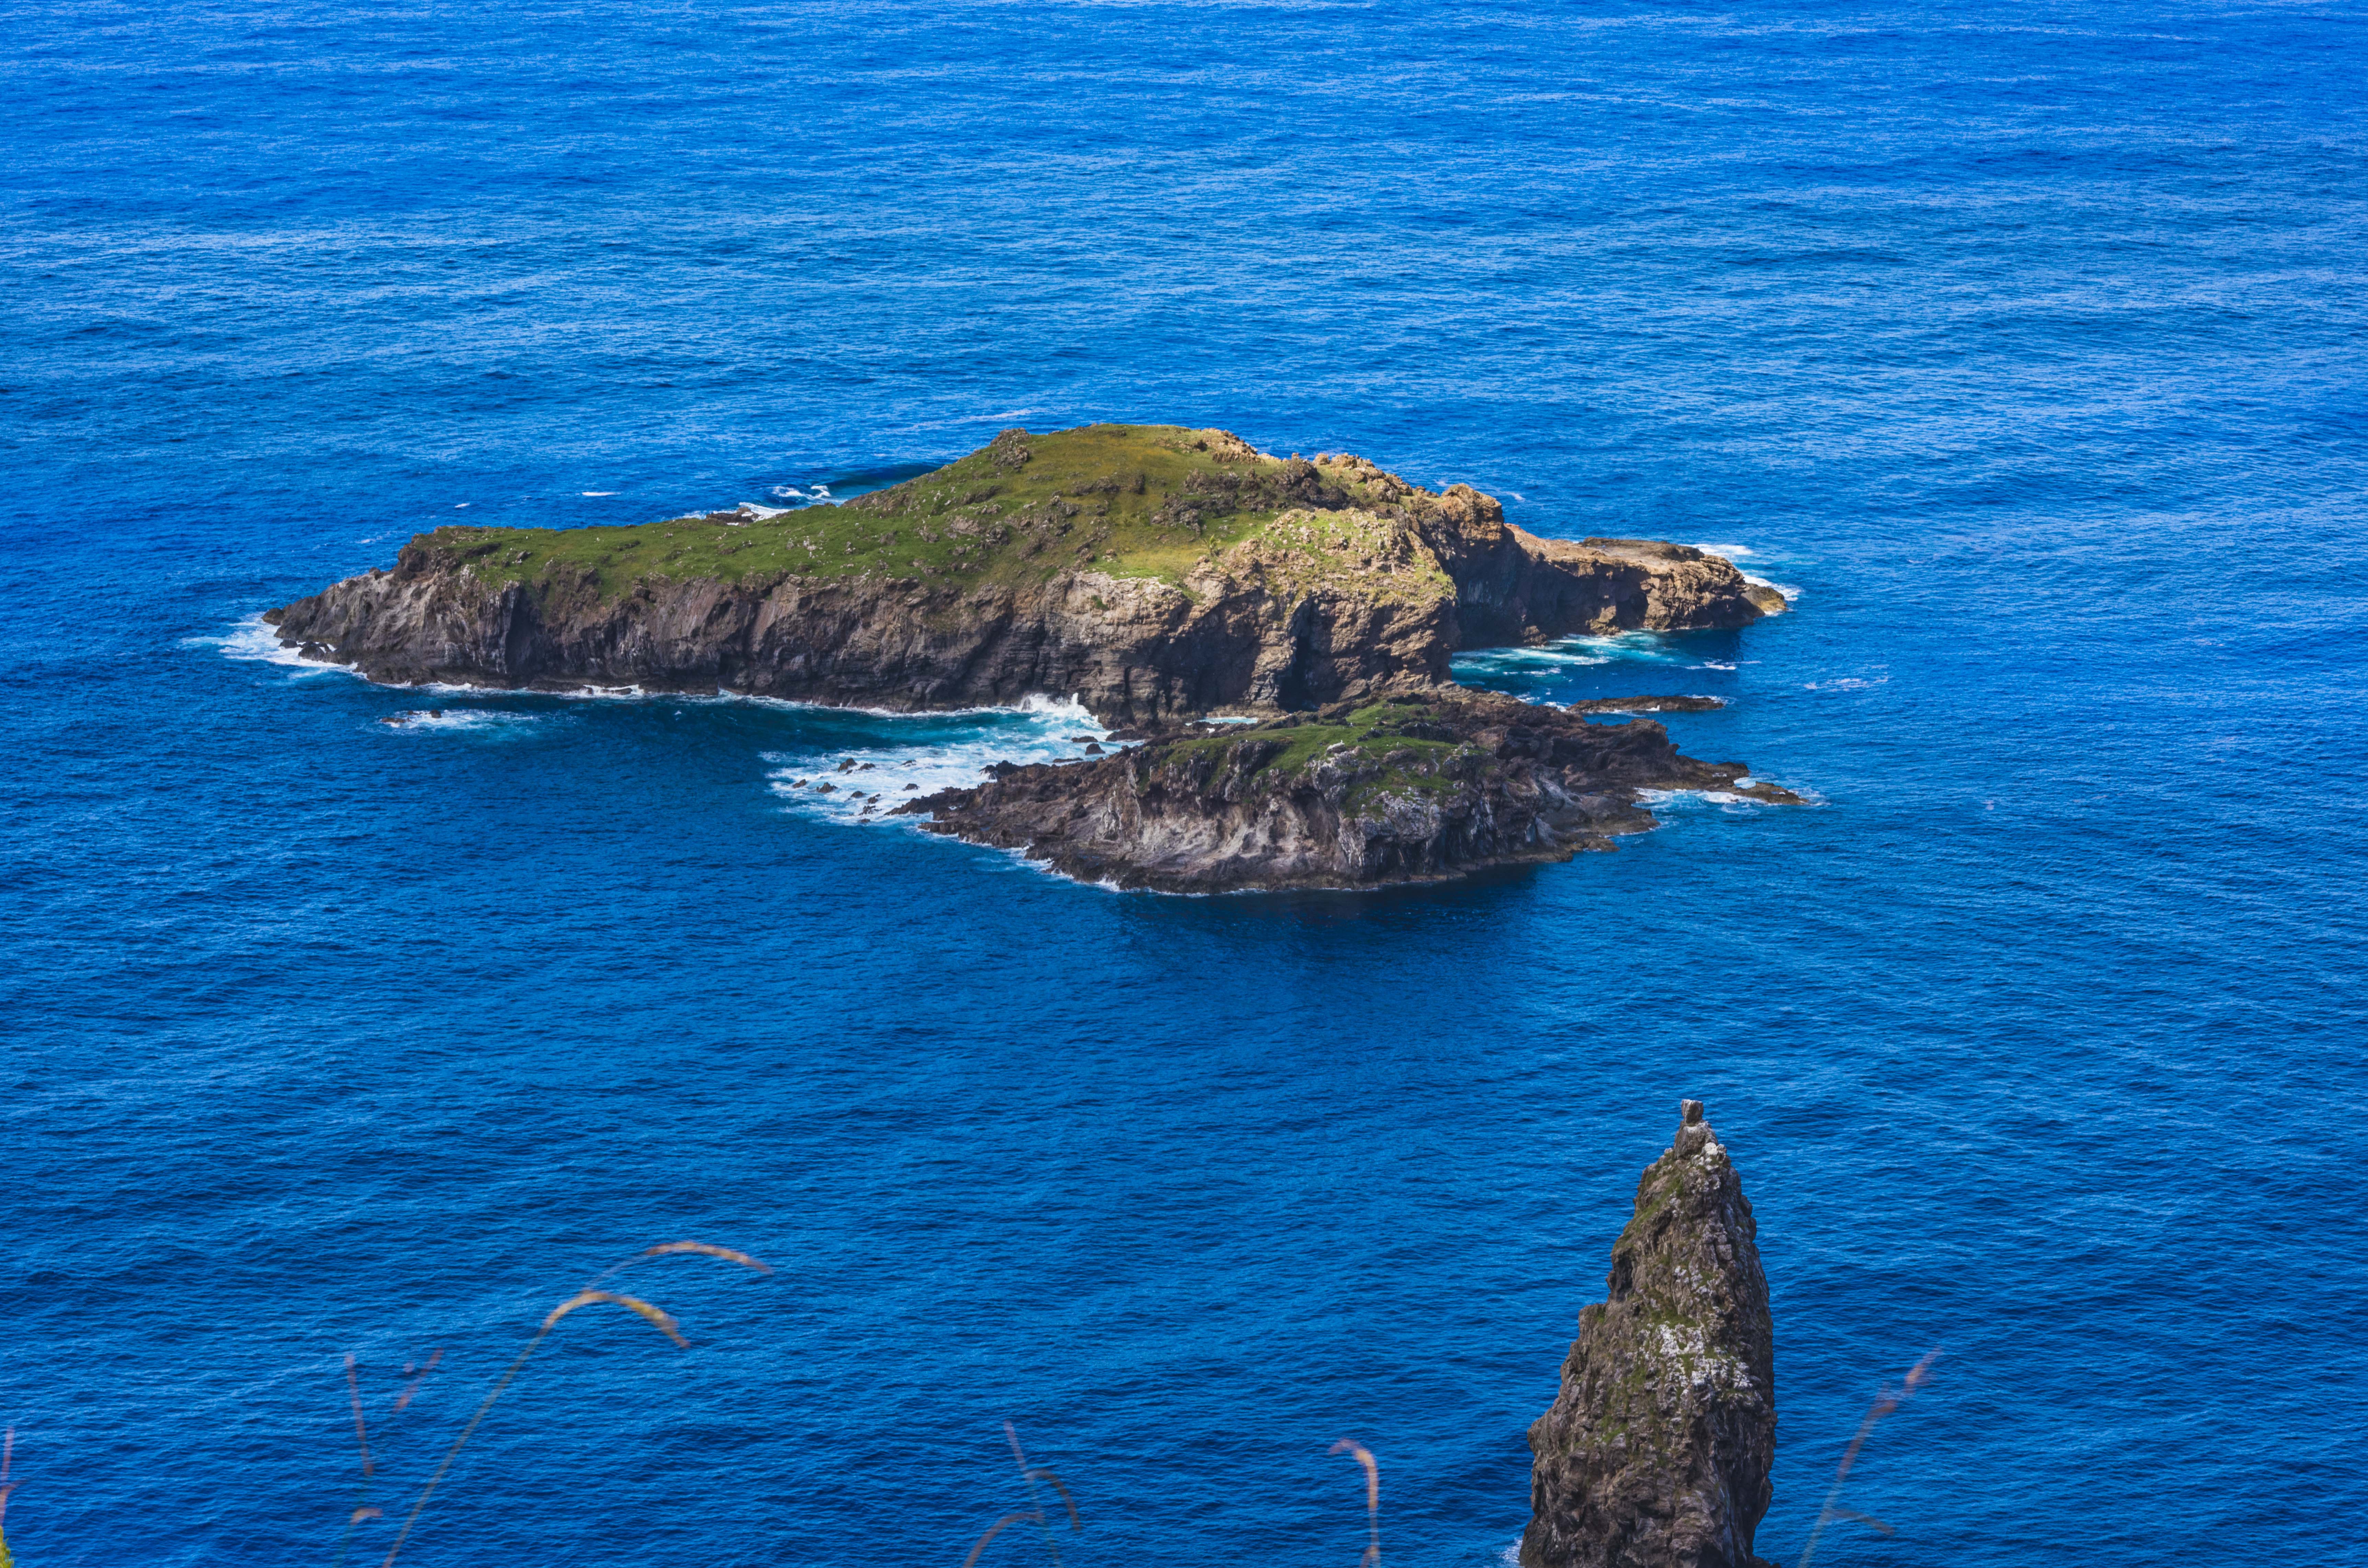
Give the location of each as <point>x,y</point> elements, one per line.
<point>1131,500</point>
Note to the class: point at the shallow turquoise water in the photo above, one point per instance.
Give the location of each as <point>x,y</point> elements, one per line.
<point>2022,343</point>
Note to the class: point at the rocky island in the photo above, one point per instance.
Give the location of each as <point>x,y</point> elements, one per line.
<point>1158,576</point>
<point>1402,789</point>
<point>1149,571</point>
<point>1656,1451</point>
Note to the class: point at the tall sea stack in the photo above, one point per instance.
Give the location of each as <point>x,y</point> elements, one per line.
<point>1656,1452</point>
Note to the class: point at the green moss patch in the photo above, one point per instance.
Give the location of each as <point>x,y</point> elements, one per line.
<point>1131,500</point>
<point>1385,741</point>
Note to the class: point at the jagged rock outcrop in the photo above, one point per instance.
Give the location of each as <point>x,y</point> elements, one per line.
<point>1414,789</point>
<point>1150,571</point>
<point>1656,1452</point>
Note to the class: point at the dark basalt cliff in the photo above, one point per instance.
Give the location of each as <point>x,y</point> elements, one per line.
<point>1656,1452</point>
<point>1411,788</point>
<point>1150,571</point>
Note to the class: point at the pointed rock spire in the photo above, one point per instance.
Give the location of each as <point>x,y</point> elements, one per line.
<point>1655,1454</point>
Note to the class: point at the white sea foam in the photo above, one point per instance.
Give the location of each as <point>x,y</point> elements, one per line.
<point>1847,683</point>
<point>252,640</point>
<point>1740,553</point>
<point>1568,654</point>
<point>1680,799</point>
<point>911,754</point>
<point>452,720</point>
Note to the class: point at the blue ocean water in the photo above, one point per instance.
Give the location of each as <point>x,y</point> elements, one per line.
<point>2022,342</point>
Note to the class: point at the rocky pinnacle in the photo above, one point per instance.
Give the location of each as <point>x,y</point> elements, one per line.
<point>1655,1454</point>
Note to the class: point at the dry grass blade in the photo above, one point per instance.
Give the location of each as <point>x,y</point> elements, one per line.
<point>361,1514</point>
<point>1028,1478</point>
<point>1884,1404</point>
<point>997,1529</point>
<point>664,1324</point>
<point>709,1249</point>
<point>662,1321</point>
<point>361,1431</point>
<point>1046,1473</point>
<point>1364,1456</point>
<point>411,1387</point>
<point>7,1462</point>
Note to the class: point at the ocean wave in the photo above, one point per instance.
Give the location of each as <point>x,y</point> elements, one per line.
<point>256,641</point>
<point>452,720</point>
<point>1741,552</point>
<point>864,778</point>
<point>1662,800</point>
<point>1587,651</point>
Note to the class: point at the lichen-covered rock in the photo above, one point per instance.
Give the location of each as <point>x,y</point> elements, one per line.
<point>1404,789</point>
<point>1656,1452</point>
<point>1150,571</point>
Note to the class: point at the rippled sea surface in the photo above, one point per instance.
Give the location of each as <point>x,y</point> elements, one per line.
<point>2023,342</point>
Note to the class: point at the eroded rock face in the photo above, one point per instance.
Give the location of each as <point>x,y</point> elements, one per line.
<point>1130,649</point>
<point>1237,580</point>
<point>1656,1452</point>
<point>1408,789</point>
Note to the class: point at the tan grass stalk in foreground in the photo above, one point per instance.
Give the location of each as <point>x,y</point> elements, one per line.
<point>1030,1475</point>
<point>411,1387</point>
<point>707,1249</point>
<point>1372,1499</point>
<point>7,1462</point>
<point>361,1431</point>
<point>663,1322</point>
<point>997,1529</point>
<point>362,1509</point>
<point>1884,1404</point>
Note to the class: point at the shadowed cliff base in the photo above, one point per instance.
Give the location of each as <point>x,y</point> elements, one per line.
<point>1151,571</point>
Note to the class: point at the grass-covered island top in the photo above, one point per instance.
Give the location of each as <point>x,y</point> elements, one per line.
<point>1151,572</point>
<point>1149,501</point>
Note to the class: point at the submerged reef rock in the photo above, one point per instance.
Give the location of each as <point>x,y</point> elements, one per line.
<point>1404,788</point>
<point>1656,1452</point>
<point>1150,571</point>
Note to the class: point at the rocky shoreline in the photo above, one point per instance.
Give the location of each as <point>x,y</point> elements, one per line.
<point>1154,573</point>
<point>1412,789</point>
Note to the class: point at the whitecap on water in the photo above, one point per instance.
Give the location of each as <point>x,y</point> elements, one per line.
<point>1585,652</point>
<point>1738,553</point>
<point>458,720</point>
<point>253,640</point>
<point>1665,799</point>
<point>900,757</point>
